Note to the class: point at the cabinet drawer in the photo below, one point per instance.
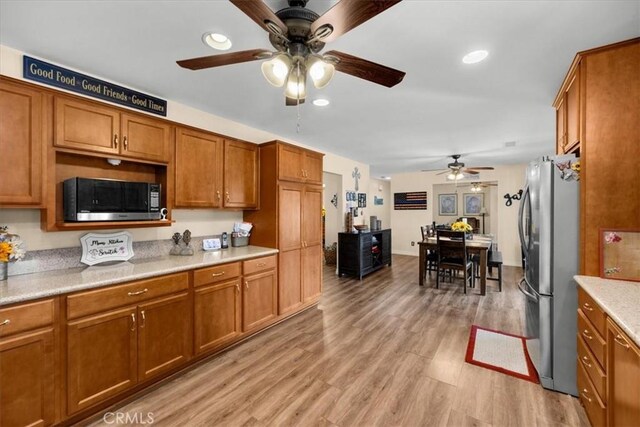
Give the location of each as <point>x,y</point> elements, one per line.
<point>593,406</point>
<point>596,374</point>
<point>592,338</point>
<point>26,316</point>
<point>91,302</point>
<point>592,311</point>
<point>259,264</point>
<point>215,274</point>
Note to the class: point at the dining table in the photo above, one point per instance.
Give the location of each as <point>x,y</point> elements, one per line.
<point>479,245</point>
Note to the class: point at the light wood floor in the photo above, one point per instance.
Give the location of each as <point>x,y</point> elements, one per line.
<point>381,351</point>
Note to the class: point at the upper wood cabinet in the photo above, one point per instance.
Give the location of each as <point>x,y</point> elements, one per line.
<point>567,106</point>
<point>623,378</point>
<point>241,174</point>
<point>198,166</point>
<point>299,164</point>
<point>88,126</point>
<point>21,127</point>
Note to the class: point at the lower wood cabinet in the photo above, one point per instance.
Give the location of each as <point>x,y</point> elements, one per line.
<point>217,315</point>
<point>259,298</point>
<point>27,379</point>
<point>311,272</point>
<point>623,375</point>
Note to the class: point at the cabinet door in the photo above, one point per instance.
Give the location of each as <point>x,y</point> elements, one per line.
<point>145,138</point>
<point>290,202</point>
<point>313,167</point>
<point>20,145</point>
<point>86,126</point>
<point>561,114</point>
<point>572,99</point>
<point>289,281</point>
<point>311,272</point>
<point>290,163</point>
<point>198,163</point>
<point>164,335</point>
<point>217,315</point>
<point>27,379</point>
<point>312,216</point>
<point>101,357</point>
<point>623,378</point>
<point>240,174</point>
<point>259,300</point>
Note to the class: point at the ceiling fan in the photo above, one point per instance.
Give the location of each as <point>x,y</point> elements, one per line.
<point>456,169</point>
<point>299,34</point>
<point>477,187</point>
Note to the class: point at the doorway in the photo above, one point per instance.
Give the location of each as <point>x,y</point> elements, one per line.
<point>332,203</point>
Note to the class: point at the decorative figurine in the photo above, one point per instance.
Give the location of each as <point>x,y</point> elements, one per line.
<point>176,249</point>
<point>186,238</point>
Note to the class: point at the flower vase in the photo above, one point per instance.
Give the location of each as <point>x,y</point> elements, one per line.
<point>4,270</point>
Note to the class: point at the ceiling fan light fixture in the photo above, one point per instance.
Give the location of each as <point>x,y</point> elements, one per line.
<point>320,71</point>
<point>276,70</point>
<point>455,176</point>
<point>217,41</point>
<point>475,56</point>
<point>296,87</point>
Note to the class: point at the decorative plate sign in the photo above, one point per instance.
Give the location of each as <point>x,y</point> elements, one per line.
<point>106,247</point>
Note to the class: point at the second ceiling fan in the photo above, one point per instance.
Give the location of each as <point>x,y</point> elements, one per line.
<point>456,169</point>
<point>299,34</point>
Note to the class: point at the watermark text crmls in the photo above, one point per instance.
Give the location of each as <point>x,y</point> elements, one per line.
<point>141,418</point>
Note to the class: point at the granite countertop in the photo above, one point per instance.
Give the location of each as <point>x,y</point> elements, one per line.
<point>39,285</point>
<point>619,299</point>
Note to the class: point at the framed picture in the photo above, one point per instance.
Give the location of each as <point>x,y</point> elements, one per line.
<point>416,200</point>
<point>473,203</point>
<point>378,201</point>
<point>362,200</point>
<point>619,254</point>
<point>448,204</point>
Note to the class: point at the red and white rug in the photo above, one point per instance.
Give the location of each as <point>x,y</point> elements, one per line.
<point>500,352</point>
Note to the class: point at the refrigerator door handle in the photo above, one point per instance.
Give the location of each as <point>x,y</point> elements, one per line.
<point>525,194</point>
<point>524,291</point>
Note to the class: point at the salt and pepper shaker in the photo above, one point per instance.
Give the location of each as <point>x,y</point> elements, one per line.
<point>186,238</point>
<point>179,249</point>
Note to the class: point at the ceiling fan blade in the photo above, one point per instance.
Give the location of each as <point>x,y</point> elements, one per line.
<point>261,14</point>
<point>224,59</point>
<point>366,70</point>
<point>470,171</point>
<point>348,14</point>
<point>443,172</point>
<point>481,168</point>
<point>289,102</point>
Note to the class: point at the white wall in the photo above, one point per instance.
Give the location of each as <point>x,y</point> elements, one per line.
<point>382,189</point>
<point>406,224</point>
<point>333,221</point>
<point>26,222</point>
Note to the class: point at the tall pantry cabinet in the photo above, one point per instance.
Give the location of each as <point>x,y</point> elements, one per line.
<point>291,221</point>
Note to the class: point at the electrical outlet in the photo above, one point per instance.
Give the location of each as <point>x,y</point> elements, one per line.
<point>413,243</point>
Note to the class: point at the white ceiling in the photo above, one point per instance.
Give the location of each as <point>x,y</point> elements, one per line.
<point>442,106</point>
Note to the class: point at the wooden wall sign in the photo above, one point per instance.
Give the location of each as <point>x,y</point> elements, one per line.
<point>106,247</point>
<point>52,75</point>
<point>416,200</point>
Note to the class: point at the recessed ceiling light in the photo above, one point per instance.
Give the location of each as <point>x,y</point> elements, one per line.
<point>217,41</point>
<point>321,102</point>
<point>475,56</point>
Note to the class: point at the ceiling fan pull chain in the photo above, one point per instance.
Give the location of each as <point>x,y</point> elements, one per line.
<point>298,118</point>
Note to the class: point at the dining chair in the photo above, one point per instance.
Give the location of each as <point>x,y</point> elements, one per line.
<point>452,256</point>
<point>431,260</point>
<point>494,260</point>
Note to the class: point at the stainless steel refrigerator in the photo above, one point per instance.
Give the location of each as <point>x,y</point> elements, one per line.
<point>549,234</point>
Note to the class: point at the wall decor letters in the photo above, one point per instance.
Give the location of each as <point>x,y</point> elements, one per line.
<point>510,199</point>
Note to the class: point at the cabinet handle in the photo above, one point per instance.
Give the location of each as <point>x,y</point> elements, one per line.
<point>218,194</point>
<point>261,264</point>
<point>618,339</point>
<point>124,141</point>
<point>133,322</point>
<point>584,393</point>
<point>226,195</point>
<point>585,334</point>
<point>246,285</point>
<point>143,319</point>
<point>302,172</point>
<point>587,307</point>
<point>585,361</point>
<point>5,322</point>
<point>217,274</point>
<point>133,294</point>
<point>115,141</point>
<point>237,288</point>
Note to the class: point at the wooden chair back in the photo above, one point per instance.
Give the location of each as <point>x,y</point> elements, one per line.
<point>452,249</point>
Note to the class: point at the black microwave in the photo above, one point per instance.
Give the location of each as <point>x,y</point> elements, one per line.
<point>88,199</point>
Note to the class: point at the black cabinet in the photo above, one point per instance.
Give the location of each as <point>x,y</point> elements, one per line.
<point>362,253</point>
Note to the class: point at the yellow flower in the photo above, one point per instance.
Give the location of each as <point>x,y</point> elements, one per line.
<point>461,226</point>
<point>6,249</point>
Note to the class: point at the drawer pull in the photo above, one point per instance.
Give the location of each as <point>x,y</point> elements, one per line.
<point>133,294</point>
<point>618,339</point>
<point>115,141</point>
<point>227,197</point>
<point>217,274</point>
<point>584,393</point>
<point>126,144</point>
<point>587,307</point>
<point>246,285</point>
<point>261,264</point>
<point>585,361</point>
<point>218,194</point>
<point>144,319</point>
<point>237,288</point>
<point>133,322</point>
<point>585,334</point>
<point>5,322</point>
